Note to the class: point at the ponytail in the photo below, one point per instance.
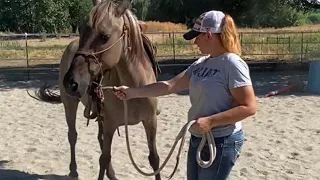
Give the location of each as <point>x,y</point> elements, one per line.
<point>229,36</point>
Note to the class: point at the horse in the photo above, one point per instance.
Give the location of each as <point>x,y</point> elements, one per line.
<point>111,51</point>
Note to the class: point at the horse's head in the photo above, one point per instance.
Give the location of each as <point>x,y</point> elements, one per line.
<point>101,46</point>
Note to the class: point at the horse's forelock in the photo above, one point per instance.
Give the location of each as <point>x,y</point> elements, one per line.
<point>98,13</point>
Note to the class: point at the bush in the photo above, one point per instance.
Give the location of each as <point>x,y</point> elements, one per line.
<point>314,18</point>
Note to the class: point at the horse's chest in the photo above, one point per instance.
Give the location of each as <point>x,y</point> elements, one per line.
<point>138,110</point>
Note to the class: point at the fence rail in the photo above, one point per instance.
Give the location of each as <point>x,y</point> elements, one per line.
<point>32,50</point>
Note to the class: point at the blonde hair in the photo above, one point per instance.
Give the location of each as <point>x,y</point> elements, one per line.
<point>229,36</point>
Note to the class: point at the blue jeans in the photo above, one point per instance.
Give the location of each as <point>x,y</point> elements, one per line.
<point>228,150</point>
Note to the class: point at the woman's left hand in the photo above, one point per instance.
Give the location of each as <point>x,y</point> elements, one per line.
<point>202,125</point>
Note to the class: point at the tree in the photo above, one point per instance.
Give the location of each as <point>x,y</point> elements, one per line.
<point>62,15</point>
<point>14,15</point>
<point>51,16</point>
<point>33,15</point>
<point>78,10</point>
<point>311,3</point>
<point>141,8</point>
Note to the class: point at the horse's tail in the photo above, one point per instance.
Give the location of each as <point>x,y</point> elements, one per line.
<point>45,94</point>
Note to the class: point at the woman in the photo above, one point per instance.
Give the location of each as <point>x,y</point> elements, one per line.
<point>221,94</point>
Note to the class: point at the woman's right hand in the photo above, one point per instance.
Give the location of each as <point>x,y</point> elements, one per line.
<point>123,92</point>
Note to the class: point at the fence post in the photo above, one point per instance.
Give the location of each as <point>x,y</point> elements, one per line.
<point>241,37</point>
<point>173,47</point>
<point>278,46</point>
<point>289,44</point>
<point>27,55</point>
<point>301,54</point>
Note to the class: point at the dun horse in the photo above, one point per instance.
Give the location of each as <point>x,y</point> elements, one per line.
<point>111,51</point>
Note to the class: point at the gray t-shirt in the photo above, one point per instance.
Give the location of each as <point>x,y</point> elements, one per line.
<point>211,80</point>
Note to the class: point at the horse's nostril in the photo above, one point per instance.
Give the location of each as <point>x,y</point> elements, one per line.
<point>70,85</point>
<point>74,86</point>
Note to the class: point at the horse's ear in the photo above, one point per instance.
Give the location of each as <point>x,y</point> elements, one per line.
<point>122,7</point>
<point>95,2</point>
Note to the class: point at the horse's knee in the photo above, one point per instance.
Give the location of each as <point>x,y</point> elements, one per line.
<point>155,162</point>
<point>154,158</point>
<point>104,160</point>
<point>72,136</point>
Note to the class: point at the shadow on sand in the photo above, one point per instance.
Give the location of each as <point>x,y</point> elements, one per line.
<point>22,78</point>
<point>264,81</point>
<point>9,174</point>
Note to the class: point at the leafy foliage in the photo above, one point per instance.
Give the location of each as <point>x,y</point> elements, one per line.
<point>34,16</point>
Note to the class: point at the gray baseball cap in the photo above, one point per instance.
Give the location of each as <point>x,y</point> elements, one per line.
<point>210,21</point>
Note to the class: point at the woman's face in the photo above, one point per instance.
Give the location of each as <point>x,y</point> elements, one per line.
<point>205,42</point>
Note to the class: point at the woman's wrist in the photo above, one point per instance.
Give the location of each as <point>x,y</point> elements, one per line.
<point>212,121</point>
<point>134,92</point>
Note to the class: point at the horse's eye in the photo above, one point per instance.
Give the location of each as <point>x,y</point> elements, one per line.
<point>105,37</point>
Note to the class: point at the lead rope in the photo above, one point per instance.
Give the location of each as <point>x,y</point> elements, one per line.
<point>207,137</point>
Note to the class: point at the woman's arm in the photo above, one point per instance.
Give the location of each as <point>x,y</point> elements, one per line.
<point>245,98</point>
<point>178,83</point>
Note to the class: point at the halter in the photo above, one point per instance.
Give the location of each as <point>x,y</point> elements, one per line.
<point>99,88</point>
<point>85,53</point>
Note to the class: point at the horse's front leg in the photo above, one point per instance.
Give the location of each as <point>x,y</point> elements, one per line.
<point>105,158</point>
<point>70,108</point>
<point>100,131</point>
<point>151,130</point>
<point>110,172</point>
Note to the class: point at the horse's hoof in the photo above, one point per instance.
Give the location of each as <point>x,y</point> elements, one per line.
<point>74,175</point>
<point>113,178</point>
<point>70,178</point>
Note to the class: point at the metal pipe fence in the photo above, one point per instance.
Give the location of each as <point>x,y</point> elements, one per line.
<point>43,51</point>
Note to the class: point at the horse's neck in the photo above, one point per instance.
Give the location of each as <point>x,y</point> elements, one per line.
<point>135,73</point>
<point>134,68</point>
